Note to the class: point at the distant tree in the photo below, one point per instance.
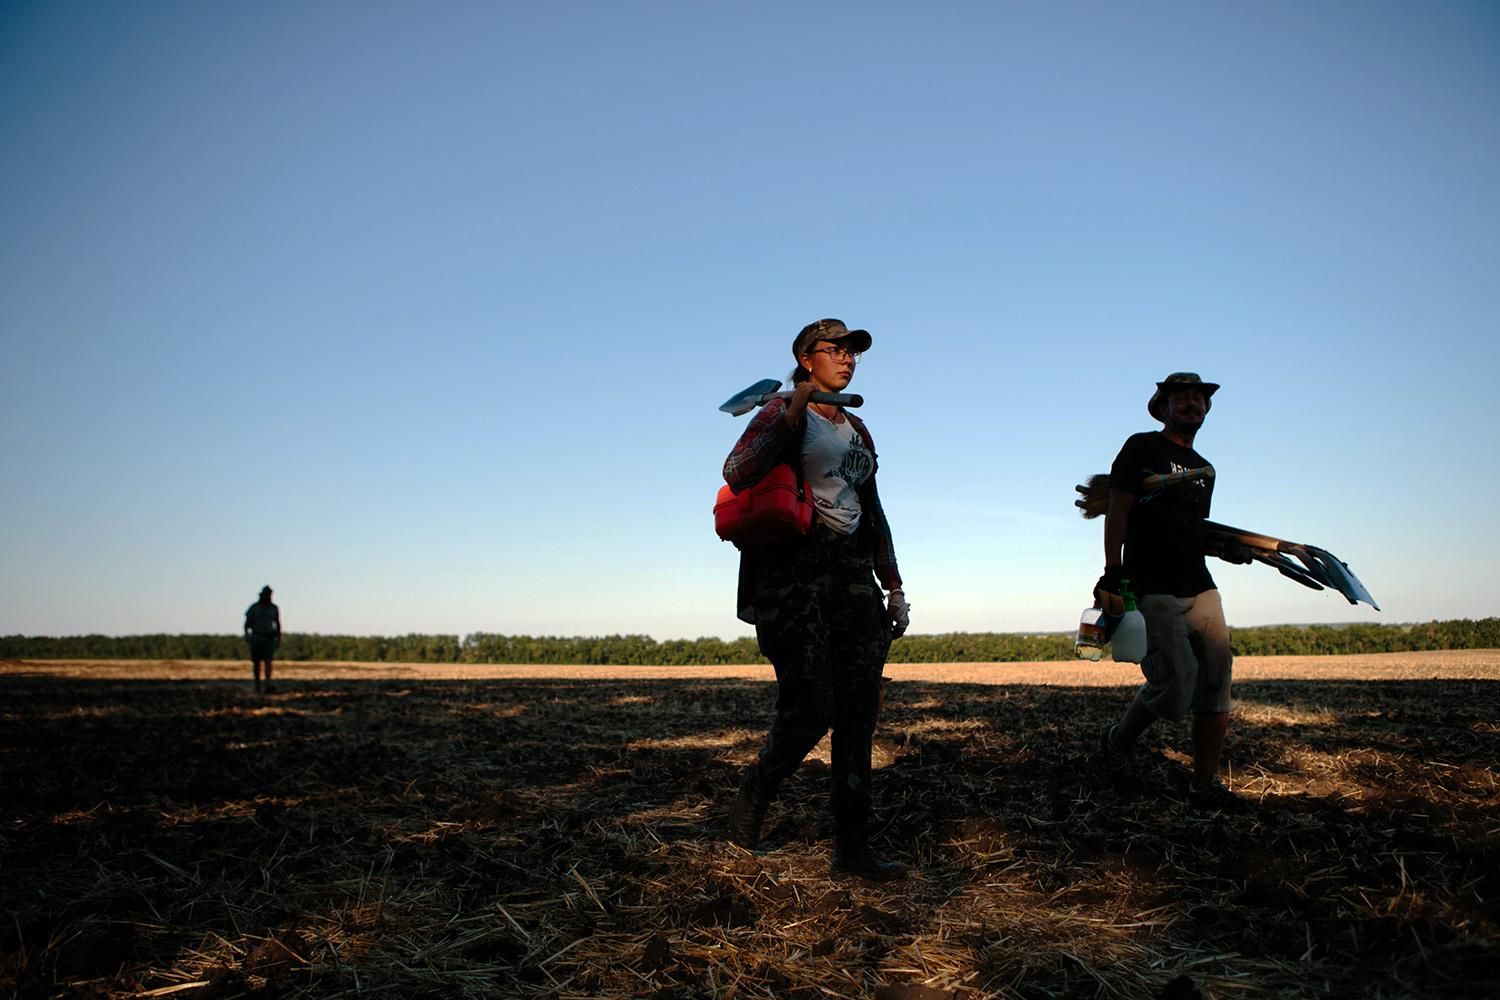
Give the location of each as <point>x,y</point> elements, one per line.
<point>950,647</point>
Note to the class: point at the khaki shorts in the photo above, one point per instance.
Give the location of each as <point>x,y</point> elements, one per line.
<point>1188,665</point>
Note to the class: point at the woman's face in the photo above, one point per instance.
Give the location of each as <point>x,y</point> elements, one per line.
<point>831,365</point>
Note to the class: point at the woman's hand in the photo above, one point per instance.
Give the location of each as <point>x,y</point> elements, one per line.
<point>796,407</point>
<point>899,612</point>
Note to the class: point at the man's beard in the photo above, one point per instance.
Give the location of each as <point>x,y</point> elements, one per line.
<point>1185,426</point>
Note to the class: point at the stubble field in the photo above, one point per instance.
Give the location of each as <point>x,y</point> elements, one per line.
<point>416,831</point>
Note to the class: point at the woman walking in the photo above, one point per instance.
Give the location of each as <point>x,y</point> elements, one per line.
<point>818,613</point>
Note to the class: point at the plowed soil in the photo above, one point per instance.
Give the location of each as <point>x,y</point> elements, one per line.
<point>416,831</point>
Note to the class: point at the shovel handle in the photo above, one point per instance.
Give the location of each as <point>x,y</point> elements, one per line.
<point>835,398</point>
<point>1165,479</point>
<point>838,398</point>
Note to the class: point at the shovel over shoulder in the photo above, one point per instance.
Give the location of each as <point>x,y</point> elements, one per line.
<point>765,390</point>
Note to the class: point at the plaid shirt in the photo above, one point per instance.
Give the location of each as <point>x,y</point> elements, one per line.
<point>770,441</point>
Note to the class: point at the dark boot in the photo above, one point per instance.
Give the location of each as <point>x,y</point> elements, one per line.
<point>852,854</point>
<point>748,814</point>
<point>859,859</point>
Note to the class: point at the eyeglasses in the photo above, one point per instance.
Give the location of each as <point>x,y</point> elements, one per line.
<point>837,353</point>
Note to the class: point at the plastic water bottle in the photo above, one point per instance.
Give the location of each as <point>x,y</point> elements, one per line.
<point>1089,643</point>
<point>1128,644</point>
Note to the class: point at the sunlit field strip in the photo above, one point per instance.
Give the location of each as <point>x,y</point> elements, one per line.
<point>1464,664</point>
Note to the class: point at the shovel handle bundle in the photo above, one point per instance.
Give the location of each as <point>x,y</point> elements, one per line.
<point>1307,564</point>
<point>1095,499</point>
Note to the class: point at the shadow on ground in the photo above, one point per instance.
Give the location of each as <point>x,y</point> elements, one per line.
<point>562,838</point>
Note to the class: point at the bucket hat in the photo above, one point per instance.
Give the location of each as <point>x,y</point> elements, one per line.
<point>1176,381</point>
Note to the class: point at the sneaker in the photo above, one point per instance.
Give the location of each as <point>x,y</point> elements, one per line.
<point>1215,798</point>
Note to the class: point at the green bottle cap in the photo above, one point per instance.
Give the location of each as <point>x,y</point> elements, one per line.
<point>1127,596</point>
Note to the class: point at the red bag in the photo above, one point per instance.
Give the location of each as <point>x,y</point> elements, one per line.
<point>773,510</point>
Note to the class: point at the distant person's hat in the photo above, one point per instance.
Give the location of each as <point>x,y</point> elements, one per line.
<point>265,590</point>
<point>829,329</point>
<point>1178,381</point>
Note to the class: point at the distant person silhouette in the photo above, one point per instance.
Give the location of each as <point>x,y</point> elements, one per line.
<point>263,633</point>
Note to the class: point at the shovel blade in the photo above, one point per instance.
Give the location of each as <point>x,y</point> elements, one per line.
<point>1316,565</point>
<point>1340,576</point>
<point>748,399</point>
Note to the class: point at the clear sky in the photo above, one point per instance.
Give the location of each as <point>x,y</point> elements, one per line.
<point>422,312</point>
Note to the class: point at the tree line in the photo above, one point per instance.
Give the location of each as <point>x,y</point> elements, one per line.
<point>642,650</point>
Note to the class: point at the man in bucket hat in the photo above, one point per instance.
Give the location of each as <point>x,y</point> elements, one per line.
<point>1155,539</point>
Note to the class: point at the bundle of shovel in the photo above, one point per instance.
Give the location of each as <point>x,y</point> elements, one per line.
<point>1307,564</point>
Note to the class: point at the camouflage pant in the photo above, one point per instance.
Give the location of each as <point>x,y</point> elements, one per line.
<point>821,621</point>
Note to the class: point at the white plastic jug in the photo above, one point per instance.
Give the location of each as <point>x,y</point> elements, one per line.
<point>1128,644</point>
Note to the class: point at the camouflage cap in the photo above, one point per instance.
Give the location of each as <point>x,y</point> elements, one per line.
<point>1180,380</point>
<point>829,329</point>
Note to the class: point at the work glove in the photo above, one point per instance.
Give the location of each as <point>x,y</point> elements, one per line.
<point>1107,591</point>
<point>1238,552</point>
<point>899,612</point>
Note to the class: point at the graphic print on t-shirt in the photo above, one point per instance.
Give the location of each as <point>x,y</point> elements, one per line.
<point>856,466</point>
<point>835,463</point>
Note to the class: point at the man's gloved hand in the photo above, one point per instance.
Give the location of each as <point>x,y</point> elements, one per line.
<point>1236,552</point>
<point>1107,591</point>
<point>899,612</point>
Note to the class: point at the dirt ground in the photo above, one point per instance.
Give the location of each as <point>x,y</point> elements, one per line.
<point>419,831</point>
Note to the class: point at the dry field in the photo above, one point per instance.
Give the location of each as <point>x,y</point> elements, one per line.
<point>414,831</point>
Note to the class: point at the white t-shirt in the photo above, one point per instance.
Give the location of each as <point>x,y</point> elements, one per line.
<point>835,463</point>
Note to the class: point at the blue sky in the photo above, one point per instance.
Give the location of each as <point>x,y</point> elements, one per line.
<point>422,312</point>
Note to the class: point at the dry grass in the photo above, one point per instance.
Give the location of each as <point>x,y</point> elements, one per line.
<point>386,831</point>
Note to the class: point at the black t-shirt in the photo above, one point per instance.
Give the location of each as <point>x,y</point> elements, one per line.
<point>1164,538</point>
